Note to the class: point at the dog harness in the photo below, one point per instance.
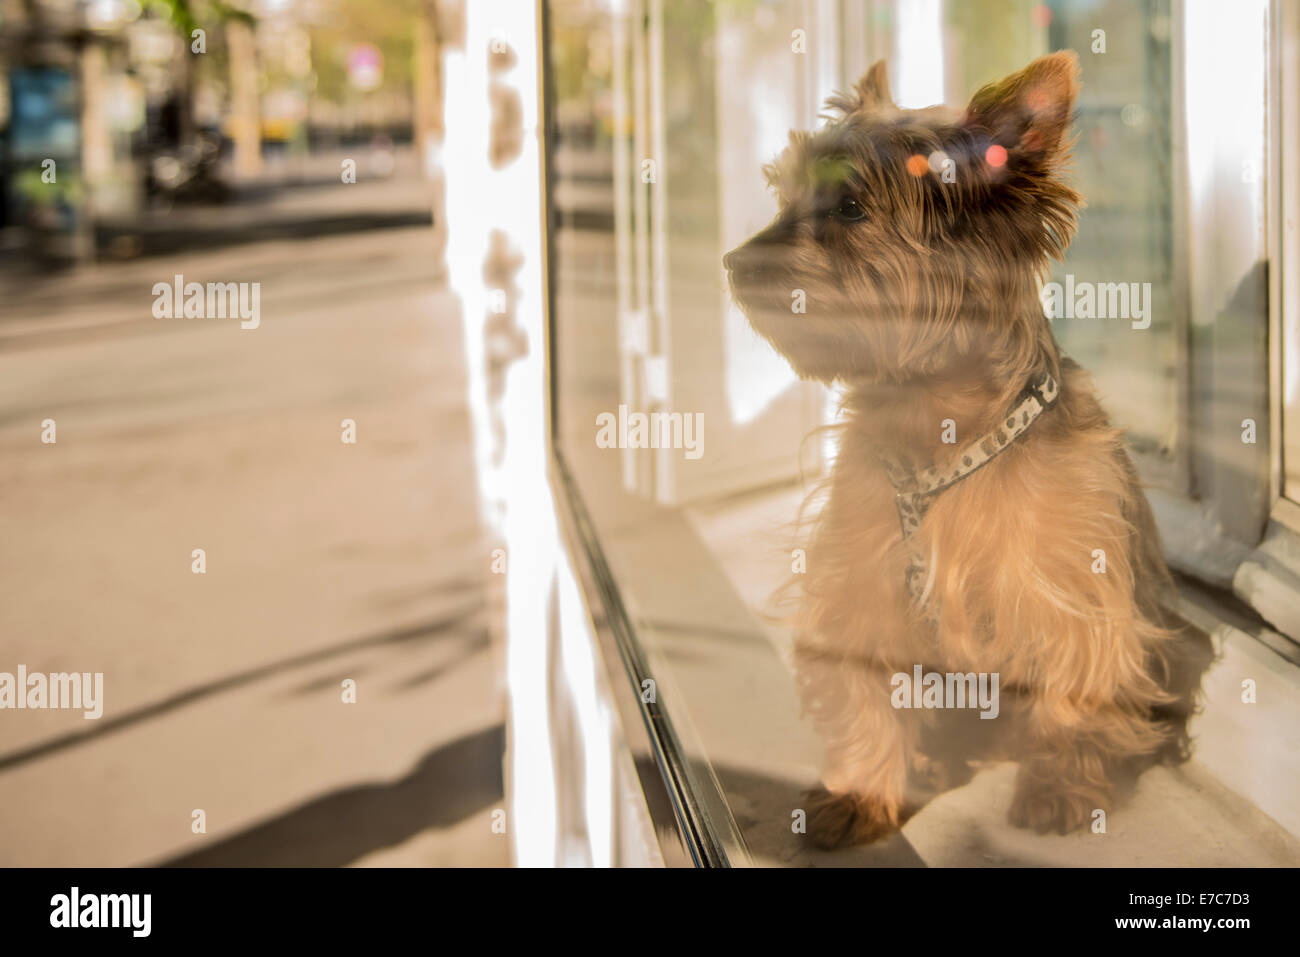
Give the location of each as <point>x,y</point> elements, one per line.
<point>916,491</point>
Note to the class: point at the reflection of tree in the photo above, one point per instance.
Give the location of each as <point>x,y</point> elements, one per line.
<point>182,14</point>
<point>186,16</point>
<point>388,24</point>
<point>405,32</point>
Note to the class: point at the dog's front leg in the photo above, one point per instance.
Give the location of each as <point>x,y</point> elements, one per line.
<point>867,747</point>
<point>1079,744</point>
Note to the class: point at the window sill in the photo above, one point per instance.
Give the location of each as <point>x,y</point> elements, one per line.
<point>1269,578</point>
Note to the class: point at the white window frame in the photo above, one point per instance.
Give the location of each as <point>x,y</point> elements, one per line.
<point>1269,578</point>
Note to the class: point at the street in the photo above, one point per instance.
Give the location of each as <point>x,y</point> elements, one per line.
<point>323,562</point>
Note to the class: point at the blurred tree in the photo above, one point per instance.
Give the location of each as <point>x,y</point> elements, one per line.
<point>187,16</point>
<point>387,24</point>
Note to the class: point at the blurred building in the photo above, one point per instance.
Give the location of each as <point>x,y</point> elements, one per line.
<point>125,107</point>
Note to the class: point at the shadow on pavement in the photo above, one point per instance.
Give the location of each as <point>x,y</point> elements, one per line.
<point>448,785</point>
<point>437,629</point>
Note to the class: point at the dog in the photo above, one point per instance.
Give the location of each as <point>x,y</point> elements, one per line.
<point>982,514</point>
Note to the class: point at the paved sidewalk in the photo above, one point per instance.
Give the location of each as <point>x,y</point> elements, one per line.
<point>325,561</point>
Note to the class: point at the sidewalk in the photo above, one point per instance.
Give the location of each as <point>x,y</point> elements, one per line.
<point>325,562</point>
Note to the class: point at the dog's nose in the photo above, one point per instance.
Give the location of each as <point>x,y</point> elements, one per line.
<point>761,254</point>
<point>743,262</point>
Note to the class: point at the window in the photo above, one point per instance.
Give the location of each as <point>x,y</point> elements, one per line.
<point>662,116</point>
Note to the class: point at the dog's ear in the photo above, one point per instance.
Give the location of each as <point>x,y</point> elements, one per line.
<point>869,93</point>
<point>1028,113</point>
<point>873,88</point>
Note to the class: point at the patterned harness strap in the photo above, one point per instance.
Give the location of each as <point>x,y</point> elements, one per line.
<point>915,491</point>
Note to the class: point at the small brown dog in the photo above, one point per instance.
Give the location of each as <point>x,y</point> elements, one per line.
<point>978,482</point>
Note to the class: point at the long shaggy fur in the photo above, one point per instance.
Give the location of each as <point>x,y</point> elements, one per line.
<point>926,308</point>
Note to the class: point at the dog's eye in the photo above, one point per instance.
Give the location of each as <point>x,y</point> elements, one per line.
<point>849,211</point>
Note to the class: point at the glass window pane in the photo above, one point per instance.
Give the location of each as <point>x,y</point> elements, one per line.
<point>665,116</point>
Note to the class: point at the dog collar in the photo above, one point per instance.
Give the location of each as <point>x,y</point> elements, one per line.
<point>915,491</point>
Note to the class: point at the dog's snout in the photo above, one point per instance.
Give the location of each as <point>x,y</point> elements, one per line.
<point>735,260</point>
<point>764,254</point>
<point>747,261</point>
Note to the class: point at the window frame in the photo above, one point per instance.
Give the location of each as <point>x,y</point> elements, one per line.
<point>1284,244</point>
<point>677,798</point>
<point>1268,579</point>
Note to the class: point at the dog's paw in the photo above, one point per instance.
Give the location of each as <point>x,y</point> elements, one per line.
<point>933,776</point>
<point>1044,807</point>
<point>841,820</point>
<point>928,773</point>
